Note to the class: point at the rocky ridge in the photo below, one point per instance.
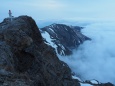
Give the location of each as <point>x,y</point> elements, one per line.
<point>25,60</point>
<point>66,38</point>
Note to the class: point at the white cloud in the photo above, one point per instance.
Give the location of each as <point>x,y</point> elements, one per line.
<point>95,59</point>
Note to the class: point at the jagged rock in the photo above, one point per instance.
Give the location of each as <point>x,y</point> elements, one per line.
<point>65,37</point>
<point>27,59</point>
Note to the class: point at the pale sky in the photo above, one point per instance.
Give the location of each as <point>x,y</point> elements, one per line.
<point>60,9</point>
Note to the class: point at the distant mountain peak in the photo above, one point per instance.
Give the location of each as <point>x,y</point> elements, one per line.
<point>64,37</point>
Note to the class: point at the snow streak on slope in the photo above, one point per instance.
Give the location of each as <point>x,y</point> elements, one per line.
<point>49,41</point>
<point>95,59</point>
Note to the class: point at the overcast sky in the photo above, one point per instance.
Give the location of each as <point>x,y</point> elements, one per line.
<point>60,9</point>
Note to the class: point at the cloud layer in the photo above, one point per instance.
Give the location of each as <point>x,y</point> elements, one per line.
<point>95,59</point>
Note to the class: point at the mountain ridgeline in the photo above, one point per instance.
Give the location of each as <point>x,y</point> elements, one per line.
<point>26,59</point>
<point>66,38</point>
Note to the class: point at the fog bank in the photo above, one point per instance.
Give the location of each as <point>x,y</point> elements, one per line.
<point>95,59</point>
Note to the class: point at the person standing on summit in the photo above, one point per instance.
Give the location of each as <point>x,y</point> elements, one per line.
<point>10,15</point>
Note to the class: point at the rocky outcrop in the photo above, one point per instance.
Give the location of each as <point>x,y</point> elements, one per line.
<point>25,60</point>
<point>95,83</point>
<point>66,38</point>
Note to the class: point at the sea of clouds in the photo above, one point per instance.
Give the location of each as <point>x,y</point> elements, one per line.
<point>95,59</point>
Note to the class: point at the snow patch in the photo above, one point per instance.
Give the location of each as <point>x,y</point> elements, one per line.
<point>66,29</point>
<point>75,77</point>
<point>52,30</point>
<point>82,84</point>
<point>94,82</point>
<point>62,52</point>
<point>47,37</point>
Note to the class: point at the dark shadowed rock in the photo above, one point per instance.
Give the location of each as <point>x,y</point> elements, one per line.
<point>65,37</point>
<point>25,60</point>
<point>96,83</point>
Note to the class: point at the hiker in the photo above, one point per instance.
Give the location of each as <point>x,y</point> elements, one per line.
<point>10,13</point>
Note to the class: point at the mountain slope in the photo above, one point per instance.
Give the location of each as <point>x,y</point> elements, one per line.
<point>25,60</point>
<point>64,37</point>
